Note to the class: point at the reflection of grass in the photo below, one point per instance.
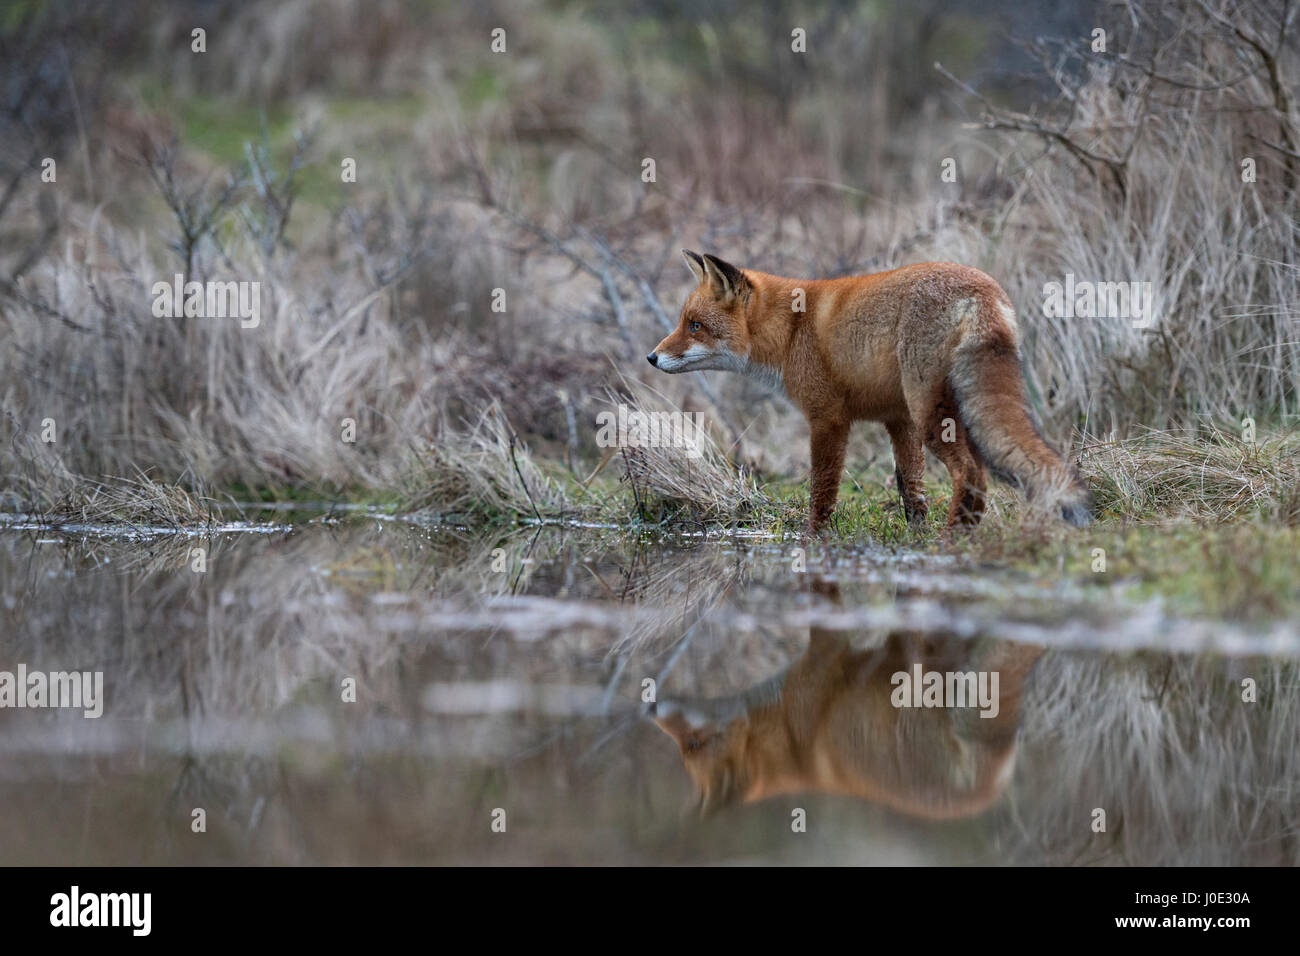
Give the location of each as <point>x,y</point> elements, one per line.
<point>365,570</point>
<point>1187,770</point>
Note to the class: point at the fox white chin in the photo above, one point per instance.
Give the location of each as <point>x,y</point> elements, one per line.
<point>697,358</point>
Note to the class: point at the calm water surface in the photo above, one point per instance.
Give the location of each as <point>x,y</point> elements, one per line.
<point>600,698</point>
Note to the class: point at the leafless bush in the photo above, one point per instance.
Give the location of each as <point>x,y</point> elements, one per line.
<point>1135,173</point>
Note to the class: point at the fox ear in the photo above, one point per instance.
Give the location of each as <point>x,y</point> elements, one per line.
<point>725,279</point>
<point>696,262</point>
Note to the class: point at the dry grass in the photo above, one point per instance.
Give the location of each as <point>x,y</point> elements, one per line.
<point>482,471</point>
<point>521,173</point>
<point>1208,475</point>
<point>700,480</point>
<point>42,485</point>
<point>139,501</point>
<point>1163,202</point>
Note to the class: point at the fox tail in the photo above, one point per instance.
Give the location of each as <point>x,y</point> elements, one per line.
<point>991,396</point>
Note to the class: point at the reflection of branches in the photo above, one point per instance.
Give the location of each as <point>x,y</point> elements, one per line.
<point>698,585</point>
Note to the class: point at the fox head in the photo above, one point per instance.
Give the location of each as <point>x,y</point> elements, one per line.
<point>711,737</point>
<point>712,332</point>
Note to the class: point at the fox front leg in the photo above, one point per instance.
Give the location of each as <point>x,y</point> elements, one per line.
<point>828,443</point>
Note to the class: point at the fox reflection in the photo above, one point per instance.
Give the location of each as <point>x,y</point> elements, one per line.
<point>827,724</point>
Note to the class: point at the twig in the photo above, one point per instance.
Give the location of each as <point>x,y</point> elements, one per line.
<point>514,440</point>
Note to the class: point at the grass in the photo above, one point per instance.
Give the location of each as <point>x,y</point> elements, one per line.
<point>1243,571</point>
<point>521,172</point>
<point>124,501</point>
<point>482,472</point>
<point>220,128</point>
<point>1209,474</point>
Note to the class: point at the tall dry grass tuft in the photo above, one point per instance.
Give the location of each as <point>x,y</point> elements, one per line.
<point>484,471</point>
<point>1205,474</point>
<point>686,470</point>
<point>138,501</point>
<point>40,484</point>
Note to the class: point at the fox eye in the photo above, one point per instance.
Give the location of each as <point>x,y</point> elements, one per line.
<point>695,326</point>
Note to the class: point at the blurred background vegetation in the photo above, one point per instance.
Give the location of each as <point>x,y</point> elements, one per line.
<point>521,170</point>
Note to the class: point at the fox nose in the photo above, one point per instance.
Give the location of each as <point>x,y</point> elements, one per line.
<point>653,359</point>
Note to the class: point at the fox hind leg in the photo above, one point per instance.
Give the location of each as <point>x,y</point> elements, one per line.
<point>909,470</point>
<point>944,434</point>
<point>969,493</point>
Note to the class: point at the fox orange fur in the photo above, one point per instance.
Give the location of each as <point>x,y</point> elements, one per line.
<point>929,350</point>
<point>828,725</point>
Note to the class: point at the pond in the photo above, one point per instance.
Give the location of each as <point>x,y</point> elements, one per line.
<point>349,688</point>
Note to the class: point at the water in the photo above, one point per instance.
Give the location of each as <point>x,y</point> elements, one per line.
<point>500,681</point>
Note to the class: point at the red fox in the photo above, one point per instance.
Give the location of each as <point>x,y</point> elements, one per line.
<point>832,723</point>
<point>930,350</point>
